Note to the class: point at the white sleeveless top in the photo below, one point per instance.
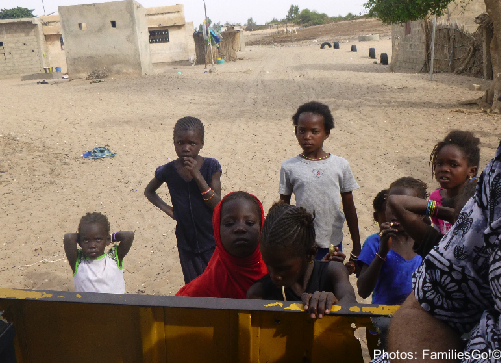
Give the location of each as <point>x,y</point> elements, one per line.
<point>103,274</point>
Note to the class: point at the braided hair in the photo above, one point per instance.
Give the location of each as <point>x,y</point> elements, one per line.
<point>319,109</point>
<point>94,217</point>
<point>288,226</point>
<point>408,182</point>
<point>243,195</point>
<point>379,200</point>
<point>465,141</point>
<point>189,123</point>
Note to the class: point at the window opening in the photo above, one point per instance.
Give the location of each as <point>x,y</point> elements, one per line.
<point>1,44</point>
<point>159,36</point>
<point>82,26</point>
<point>113,24</point>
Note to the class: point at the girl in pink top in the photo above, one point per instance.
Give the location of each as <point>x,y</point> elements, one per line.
<point>454,162</point>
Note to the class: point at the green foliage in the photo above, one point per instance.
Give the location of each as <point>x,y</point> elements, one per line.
<point>308,18</point>
<point>16,13</point>
<point>401,11</point>
<point>251,24</point>
<point>292,14</point>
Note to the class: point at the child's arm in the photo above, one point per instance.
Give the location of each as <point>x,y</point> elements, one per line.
<point>212,197</point>
<point>370,273</point>
<point>350,213</point>
<point>150,192</point>
<point>340,281</point>
<point>409,212</point>
<point>256,291</point>
<point>285,198</point>
<point>70,248</point>
<point>125,238</point>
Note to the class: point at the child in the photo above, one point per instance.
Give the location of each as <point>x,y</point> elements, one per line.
<point>320,181</point>
<point>387,264</point>
<point>195,188</point>
<point>93,269</point>
<point>454,161</point>
<point>236,264</point>
<point>409,211</point>
<point>288,248</point>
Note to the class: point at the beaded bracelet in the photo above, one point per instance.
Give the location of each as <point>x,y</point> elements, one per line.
<point>382,258</point>
<point>213,193</point>
<point>353,257</point>
<point>208,190</point>
<point>114,239</point>
<point>431,208</point>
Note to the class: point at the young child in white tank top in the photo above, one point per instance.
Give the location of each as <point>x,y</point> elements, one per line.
<point>93,269</point>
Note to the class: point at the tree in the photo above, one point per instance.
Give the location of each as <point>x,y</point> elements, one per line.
<point>398,11</point>
<point>292,14</point>
<point>251,24</point>
<point>308,18</point>
<point>16,13</point>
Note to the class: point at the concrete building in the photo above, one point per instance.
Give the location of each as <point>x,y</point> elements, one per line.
<point>54,43</point>
<point>112,36</point>
<point>29,45</point>
<point>21,47</point>
<point>170,36</point>
<point>410,41</point>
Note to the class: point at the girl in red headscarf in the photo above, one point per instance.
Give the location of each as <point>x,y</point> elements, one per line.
<point>236,263</point>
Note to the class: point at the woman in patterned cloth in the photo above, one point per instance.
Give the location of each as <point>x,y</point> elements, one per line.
<point>457,288</point>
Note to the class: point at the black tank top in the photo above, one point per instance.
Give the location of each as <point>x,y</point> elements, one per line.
<point>318,281</point>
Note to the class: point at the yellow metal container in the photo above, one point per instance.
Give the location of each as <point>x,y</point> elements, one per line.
<point>54,326</point>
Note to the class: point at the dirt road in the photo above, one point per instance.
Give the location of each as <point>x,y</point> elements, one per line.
<point>386,126</point>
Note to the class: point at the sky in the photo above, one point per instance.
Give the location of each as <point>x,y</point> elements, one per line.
<point>233,11</point>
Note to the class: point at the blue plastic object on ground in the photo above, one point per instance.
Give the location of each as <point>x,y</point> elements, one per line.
<point>98,153</point>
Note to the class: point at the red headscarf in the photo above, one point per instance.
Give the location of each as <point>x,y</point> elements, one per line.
<point>227,276</point>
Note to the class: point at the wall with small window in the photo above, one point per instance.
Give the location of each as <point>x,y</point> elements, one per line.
<point>171,44</point>
<point>21,47</point>
<point>112,36</point>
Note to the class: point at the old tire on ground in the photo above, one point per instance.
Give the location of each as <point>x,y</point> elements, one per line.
<point>372,53</point>
<point>383,59</point>
<point>336,45</point>
<point>324,44</point>
<point>353,48</point>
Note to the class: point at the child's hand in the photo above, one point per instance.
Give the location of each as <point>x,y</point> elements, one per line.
<point>190,164</point>
<point>336,256</point>
<point>389,230</point>
<point>319,303</point>
<point>350,266</point>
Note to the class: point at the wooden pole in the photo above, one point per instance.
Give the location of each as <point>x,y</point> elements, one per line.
<point>432,47</point>
<point>208,35</point>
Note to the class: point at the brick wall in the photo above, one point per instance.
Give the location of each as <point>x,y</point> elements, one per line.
<point>21,51</point>
<point>408,47</point>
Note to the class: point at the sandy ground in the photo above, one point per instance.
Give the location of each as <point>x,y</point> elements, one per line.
<point>386,126</point>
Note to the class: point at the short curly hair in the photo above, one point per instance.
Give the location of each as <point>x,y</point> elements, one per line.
<point>317,108</point>
<point>411,183</point>
<point>465,141</point>
<point>94,217</point>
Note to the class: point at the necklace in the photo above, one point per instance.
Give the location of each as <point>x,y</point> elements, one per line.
<point>314,159</point>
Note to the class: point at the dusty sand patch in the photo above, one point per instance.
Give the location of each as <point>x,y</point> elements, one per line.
<point>386,126</point>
